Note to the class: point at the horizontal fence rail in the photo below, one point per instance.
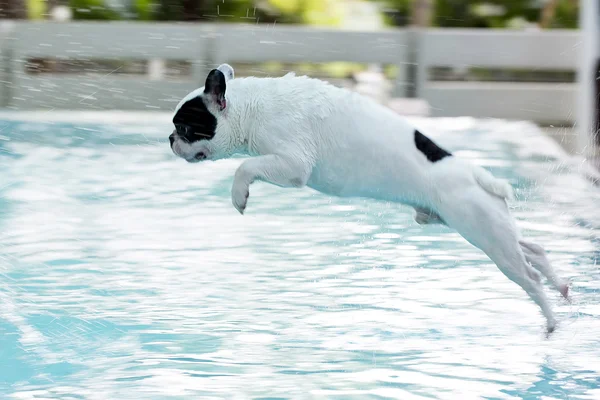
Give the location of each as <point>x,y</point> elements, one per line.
<point>150,66</point>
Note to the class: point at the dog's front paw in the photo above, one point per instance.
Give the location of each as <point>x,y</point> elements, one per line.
<point>239,197</point>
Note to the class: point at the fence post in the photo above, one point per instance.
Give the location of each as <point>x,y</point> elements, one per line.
<point>402,82</point>
<point>588,115</point>
<point>6,78</point>
<point>418,61</point>
<point>409,75</point>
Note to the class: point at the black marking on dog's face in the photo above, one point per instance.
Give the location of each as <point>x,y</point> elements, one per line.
<point>194,122</point>
<point>431,150</point>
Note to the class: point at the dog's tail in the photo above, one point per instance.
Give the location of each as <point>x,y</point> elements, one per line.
<point>493,185</point>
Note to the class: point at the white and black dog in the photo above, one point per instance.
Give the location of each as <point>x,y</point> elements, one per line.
<point>302,131</point>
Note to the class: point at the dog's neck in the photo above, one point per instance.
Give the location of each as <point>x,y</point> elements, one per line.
<point>238,118</point>
<point>233,123</point>
<point>254,103</point>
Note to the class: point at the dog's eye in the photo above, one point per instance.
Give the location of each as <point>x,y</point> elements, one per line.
<point>182,130</point>
<point>185,130</point>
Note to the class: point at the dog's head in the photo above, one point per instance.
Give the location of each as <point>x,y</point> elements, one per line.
<point>197,136</point>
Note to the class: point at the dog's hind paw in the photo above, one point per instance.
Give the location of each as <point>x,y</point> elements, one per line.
<point>426,217</point>
<point>564,291</point>
<point>550,328</point>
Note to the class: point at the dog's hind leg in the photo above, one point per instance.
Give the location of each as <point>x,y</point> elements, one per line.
<point>536,255</point>
<point>484,221</point>
<point>427,217</point>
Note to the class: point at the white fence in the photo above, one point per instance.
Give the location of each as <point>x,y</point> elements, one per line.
<point>544,102</point>
<point>207,45</point>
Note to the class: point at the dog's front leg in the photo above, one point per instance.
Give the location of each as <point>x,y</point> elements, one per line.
<point>274,169</point>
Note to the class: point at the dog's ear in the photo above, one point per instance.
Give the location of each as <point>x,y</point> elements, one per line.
<point>215,87</point>
<point>227,70</point>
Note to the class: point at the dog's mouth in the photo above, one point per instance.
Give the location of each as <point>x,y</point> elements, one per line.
<point>200,156</point>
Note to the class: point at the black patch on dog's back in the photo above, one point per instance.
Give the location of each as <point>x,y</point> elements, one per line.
<point>431,150</point>
<point>194,122</point>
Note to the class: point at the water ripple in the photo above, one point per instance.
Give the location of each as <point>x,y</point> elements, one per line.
<point>126,273</point>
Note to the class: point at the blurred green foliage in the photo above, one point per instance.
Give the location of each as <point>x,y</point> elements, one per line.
<point>472,13</point>
<point>320,12</point>
<point>448,13</point>
<point>142,9</point>
<point>35,9</point>
<point>93,10</point>
<point>567,14</point>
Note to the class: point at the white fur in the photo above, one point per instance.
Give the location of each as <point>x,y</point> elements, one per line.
<point>304,132</point>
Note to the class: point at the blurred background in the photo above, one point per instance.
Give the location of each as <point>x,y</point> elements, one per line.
<point>336,13</point>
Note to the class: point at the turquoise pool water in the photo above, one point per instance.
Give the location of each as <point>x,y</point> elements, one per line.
<point>125,273</point>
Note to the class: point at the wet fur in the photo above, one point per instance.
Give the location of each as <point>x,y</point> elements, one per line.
<point>301,132</point>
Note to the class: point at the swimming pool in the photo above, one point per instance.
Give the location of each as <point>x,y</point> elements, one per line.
<point>125,273</point>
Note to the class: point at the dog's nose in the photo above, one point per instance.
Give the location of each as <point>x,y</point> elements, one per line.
<point>172,138</point>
